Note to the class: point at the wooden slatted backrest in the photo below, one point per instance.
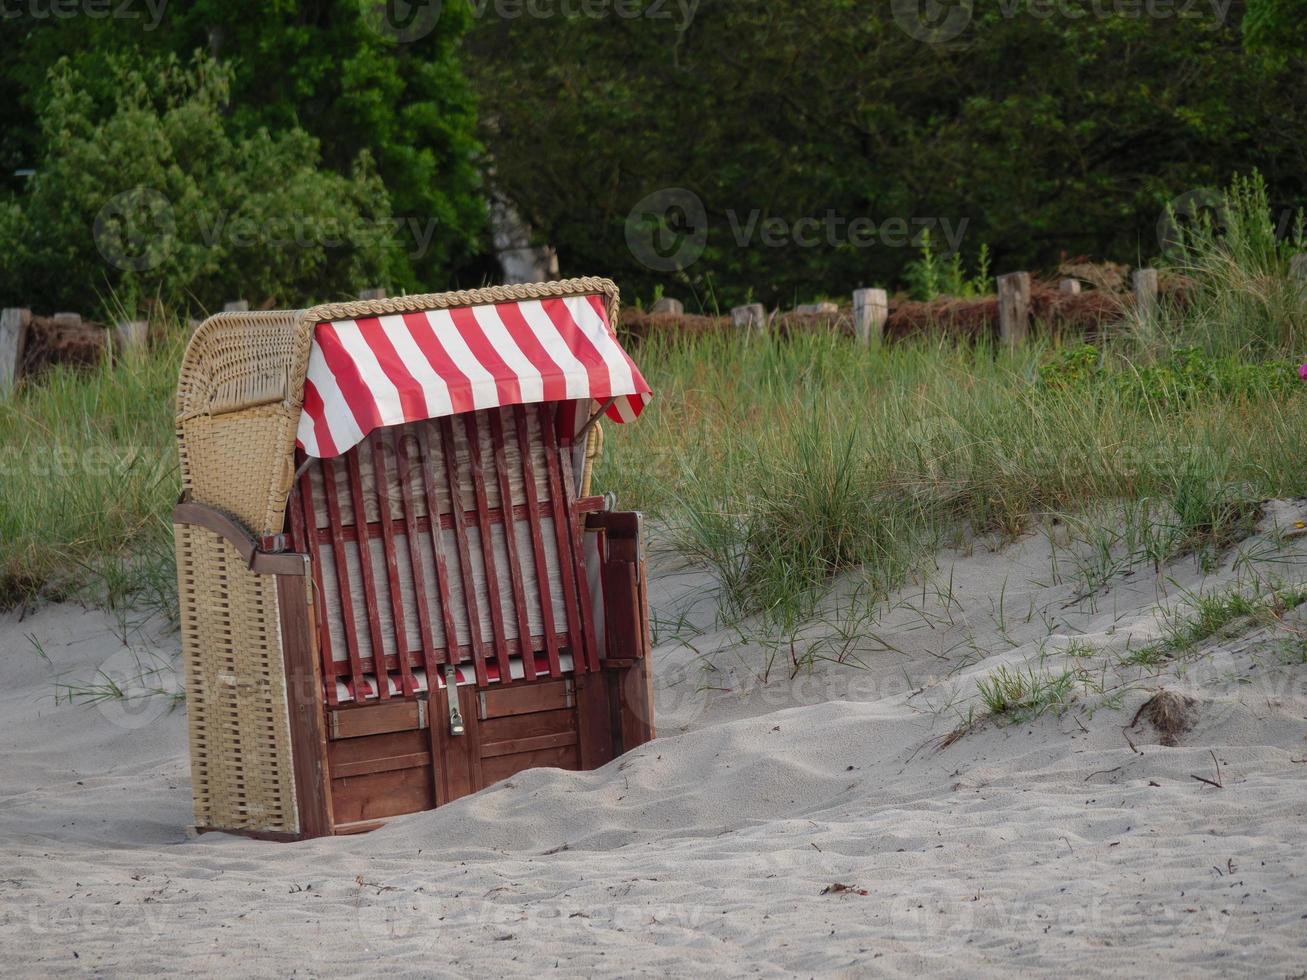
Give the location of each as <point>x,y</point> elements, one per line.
<point>465,527</point>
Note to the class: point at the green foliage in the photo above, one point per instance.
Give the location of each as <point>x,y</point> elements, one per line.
<point>152,196</point>
<point>1050,134</point>
<point>1248,302</point>
<point>783,463</point>
<point>930,276</point>
<point>88,478</point>
<point>1014,695</point>
<point>1182,378</point>
<point>1207,614</point>
<point>329,68</point>
<point>1276,29</point>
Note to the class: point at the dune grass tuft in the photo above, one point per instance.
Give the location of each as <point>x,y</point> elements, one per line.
<point>88,477</point>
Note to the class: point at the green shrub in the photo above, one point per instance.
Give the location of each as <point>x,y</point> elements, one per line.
<point>152,197</point>
<point>1183,377</point>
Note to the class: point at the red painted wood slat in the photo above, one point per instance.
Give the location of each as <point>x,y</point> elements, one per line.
<point>472,428</point>
<point>578,560</point>
<point>342,576</point>
<point>381,479</point>
<point>533,514</point>
<point>464,553</point>
<point>370,600</point>
<point>307,541</point>
<point>435,523</point>
<point>510,537</point>
<point>566,561</point>
<point>404,473</point>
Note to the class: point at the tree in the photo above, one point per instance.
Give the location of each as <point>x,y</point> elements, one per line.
<point>151,196</point>
<point>1045,134</point>
<point>338,69</point>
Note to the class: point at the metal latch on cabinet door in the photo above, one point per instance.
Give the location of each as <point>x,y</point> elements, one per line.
<point>451,696</point>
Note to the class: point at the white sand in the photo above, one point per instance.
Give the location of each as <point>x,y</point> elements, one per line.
<point>1041,847</point>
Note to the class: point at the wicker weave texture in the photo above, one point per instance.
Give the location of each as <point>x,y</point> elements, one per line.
<point>241,772</point>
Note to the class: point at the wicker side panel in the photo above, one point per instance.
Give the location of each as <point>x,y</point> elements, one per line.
<point>237,409</point>
<point>241,764</point>
<point>239,463</point>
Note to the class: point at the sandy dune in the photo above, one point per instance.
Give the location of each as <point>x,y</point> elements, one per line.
<point>1071,843</point>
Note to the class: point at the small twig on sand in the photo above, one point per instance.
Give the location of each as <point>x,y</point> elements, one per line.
<point>1209,782</point>
<point>1102,772</point>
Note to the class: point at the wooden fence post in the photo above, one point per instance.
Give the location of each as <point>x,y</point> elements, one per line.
<point>748,317</point>
<point>668,305</point>
<point>13,338</point>
<point>1146,291</point>
<point>1298,266</point>
<point>236,306</point>
<point>870,311</point>
<point>1014,307</point>
<point>371,294</point>
<point>1069,287</point>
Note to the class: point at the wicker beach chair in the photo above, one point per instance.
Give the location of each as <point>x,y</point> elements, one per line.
<point>395,586</point>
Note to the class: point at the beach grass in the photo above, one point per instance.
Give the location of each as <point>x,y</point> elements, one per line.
<point>88,478</point>
<point>781,463</point>
<point>784,462</point>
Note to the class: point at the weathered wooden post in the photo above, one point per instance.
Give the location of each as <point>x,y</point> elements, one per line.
<point>1298,266</point>
<point>1014,307</point>
<point>1146,291</point>
<point>130,335</point>
<point>13,338</point>
<point>668,305</point>
<point>236,306</point>
<point>1069,287</point>
<point>748,317</point>
<point>371,294</point>
<point>870,311</point>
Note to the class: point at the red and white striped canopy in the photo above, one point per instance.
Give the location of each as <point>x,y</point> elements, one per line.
<point>406,367</point>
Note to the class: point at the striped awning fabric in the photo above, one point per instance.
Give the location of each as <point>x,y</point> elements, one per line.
<point>405,367</point>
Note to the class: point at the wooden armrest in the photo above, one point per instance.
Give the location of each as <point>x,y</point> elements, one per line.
<point>227,527</point>
<point>623,531</point>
